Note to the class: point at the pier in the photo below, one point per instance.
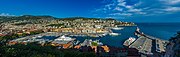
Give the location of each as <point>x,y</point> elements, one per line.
<point>149,45</point>
<point>143,44</point>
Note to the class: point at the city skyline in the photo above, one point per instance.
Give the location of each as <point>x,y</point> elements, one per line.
<point>125,10</point>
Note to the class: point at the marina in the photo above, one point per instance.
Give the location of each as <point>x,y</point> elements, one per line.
<point>50,36</point>
<point>116,41</point>
<point>41,38</point>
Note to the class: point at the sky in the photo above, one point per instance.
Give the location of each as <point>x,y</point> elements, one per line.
<point>125,10</point>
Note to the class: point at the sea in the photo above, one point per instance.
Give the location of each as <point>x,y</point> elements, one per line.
<point>160,30</point>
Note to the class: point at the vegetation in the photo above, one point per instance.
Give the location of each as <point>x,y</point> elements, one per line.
<point>8,37</point>
<point>94,43</point>
<point>176,46</point>
<point>33,50</point>
<point>29,50</point>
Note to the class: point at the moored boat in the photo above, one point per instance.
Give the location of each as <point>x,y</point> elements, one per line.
<point>118,28</point>
<point>129,41</point>
<point>114,34</point>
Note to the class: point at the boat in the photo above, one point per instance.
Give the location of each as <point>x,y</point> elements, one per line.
<point>77,42</point>
<point>39,36</point>
<point>64,38</point>
<point>118,28</point>
<point>104,34</point>
<point>113,34</point>
<point>129,41</point>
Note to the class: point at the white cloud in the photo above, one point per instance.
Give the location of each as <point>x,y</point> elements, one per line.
<point>129,7</point>
<point>126,10</point>
<point>162,7</point>
<point>134,10</point>
<point>118,9</point>
<point>142,7</point>
<point>110,17</point>
<point>6,14</point>
<point>108,6</point>
<point>137,11</point>
<point>172,9</point>
<point>175,1</point>
<point>142,13</point>
<point>121,14</point>
<point>123,4</point>
<point>171,2</point>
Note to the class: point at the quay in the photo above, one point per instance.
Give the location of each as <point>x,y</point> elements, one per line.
<point>149,45</point>
<point>143,44</point>
<point>159,43</point>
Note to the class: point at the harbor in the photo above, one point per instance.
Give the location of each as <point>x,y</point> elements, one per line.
<point>51,36</point>
<point>60,41</point>
<point>113,40</point>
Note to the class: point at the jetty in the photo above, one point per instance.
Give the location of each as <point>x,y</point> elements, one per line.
<point>149,45</point>
<point>143,44</point>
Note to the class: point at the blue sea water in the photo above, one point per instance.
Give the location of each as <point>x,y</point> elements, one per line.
<point>160,30</point>
<point>49,37</point>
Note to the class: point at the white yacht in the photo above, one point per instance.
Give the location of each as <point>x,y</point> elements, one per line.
<point>114,34</point>
<point>64,38</point>
<point>129,41</point>
<point>118,28</point>
<point>39,36</point>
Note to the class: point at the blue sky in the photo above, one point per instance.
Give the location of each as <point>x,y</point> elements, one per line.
<point>126,10</point>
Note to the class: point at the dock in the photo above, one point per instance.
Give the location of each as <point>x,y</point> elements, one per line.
<point>159,43</point>
<point>143,44</point>
<point>149,45</point>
